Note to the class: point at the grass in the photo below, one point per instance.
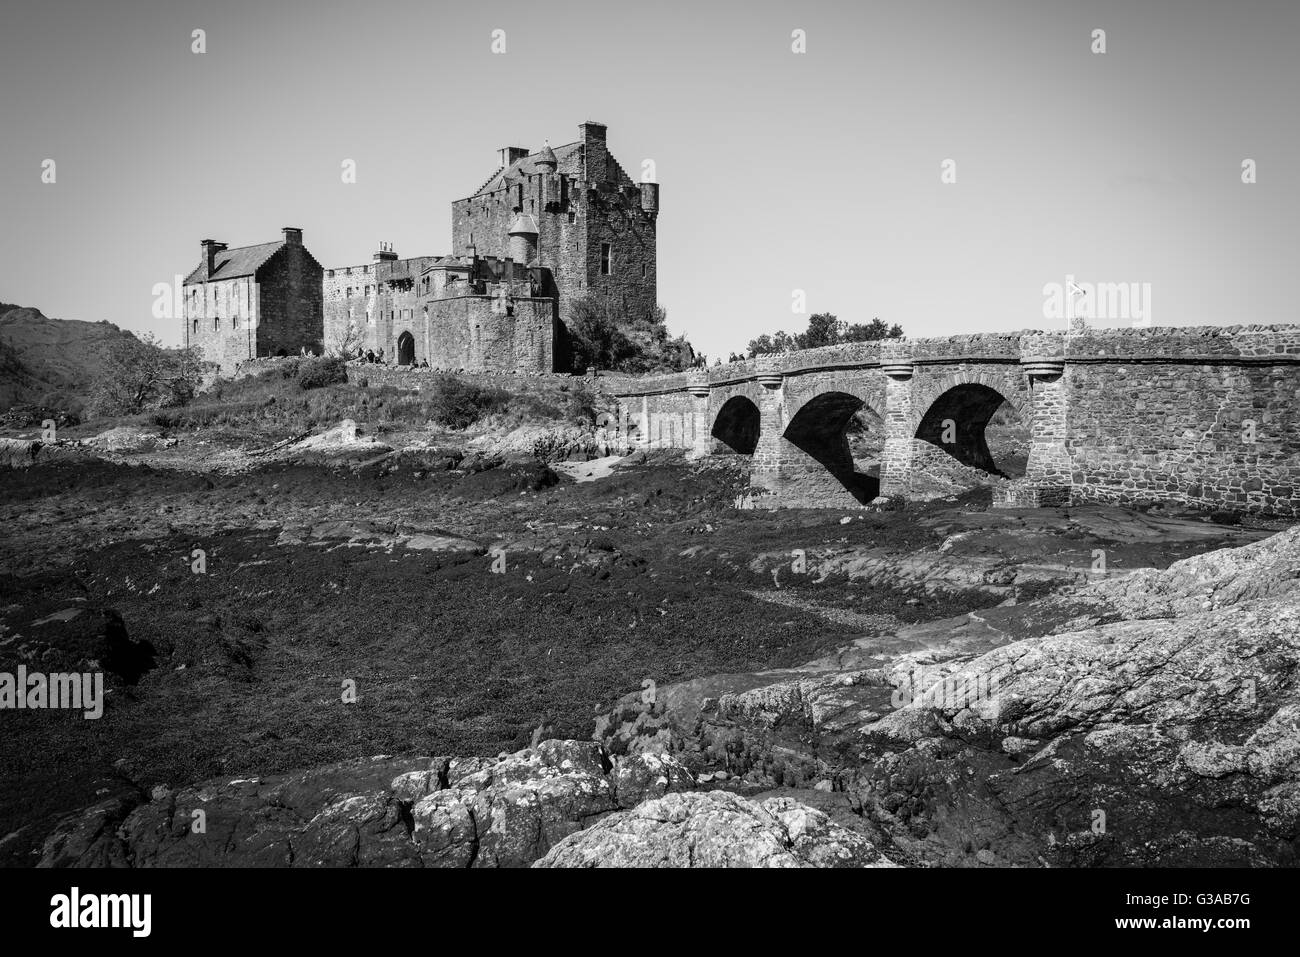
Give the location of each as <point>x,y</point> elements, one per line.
<point>300,397</point>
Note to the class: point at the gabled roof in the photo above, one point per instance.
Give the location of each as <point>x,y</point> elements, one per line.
<point>230,263</point>
<point>565,157</point>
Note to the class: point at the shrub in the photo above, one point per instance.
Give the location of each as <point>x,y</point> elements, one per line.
<point>458,405</point>
<point>580,404</point>
<point>325,370</point>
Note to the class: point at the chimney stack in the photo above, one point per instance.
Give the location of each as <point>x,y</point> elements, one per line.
<point>595,151</point>
<point>210,249</point>
<point>293,235</point>
<point>509,154</point>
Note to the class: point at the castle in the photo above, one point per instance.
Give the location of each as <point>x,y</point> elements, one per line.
<point>545,230</point>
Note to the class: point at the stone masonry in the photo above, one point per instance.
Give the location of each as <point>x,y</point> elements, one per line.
<point>1204,416</point>
<point>546,229</point>
<point>253,301</point>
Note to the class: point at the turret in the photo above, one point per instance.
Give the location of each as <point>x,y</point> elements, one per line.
<point>548,182</point>
<point>523,239</point>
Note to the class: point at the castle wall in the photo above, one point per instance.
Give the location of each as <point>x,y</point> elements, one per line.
<point>290,309</point>
<point>218,320</point>
<point>345,302</point>
<point>616,217</point>
<point>473,333</point>
<point>386,300</point>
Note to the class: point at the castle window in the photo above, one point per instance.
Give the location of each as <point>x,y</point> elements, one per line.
<point>573,217</point>
<point>643,270</point>
<point>196,327</point>
<point>349,292</point>
<point>606,258</point>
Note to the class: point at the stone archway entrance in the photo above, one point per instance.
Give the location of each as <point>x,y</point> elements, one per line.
<point>405,349</point>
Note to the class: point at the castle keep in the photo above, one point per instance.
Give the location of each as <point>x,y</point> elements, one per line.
<point>545,230</point>
<point>253,301</point>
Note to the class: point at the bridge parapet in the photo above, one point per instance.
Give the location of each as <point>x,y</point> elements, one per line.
<point>1004,347</point>
<point>1187,344</point>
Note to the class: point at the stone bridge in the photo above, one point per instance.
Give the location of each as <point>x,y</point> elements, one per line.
<point>1205,416</point>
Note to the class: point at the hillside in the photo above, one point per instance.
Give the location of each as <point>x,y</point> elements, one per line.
<point>46,361</point>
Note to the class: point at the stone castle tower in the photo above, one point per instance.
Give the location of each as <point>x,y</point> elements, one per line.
<point>573,211</point>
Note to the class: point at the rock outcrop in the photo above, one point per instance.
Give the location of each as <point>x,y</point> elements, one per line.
<point>715,829</point>
<point>380,811</point>
<point>1149,719</point>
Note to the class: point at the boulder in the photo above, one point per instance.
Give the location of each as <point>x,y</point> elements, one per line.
<point>715,829</point>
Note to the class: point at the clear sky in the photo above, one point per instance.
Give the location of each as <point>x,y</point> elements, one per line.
<point>818,171</point>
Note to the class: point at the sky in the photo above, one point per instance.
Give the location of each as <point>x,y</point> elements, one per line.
<point>820,171</point>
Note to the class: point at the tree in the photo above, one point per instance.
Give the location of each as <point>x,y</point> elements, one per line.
<point>139,374</point>
<point>870,332</point>
<point>764,345</point>
<point>824,329</point>
<point>600,335</point>
<point>346,342</point>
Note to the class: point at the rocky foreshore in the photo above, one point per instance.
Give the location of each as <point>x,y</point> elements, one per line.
<point>1149,719</point>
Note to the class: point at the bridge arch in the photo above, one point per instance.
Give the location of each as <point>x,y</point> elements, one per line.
<point>954,413</point>
<point>736,427</point>
<point>819,428</point>
<point>871,401</point>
